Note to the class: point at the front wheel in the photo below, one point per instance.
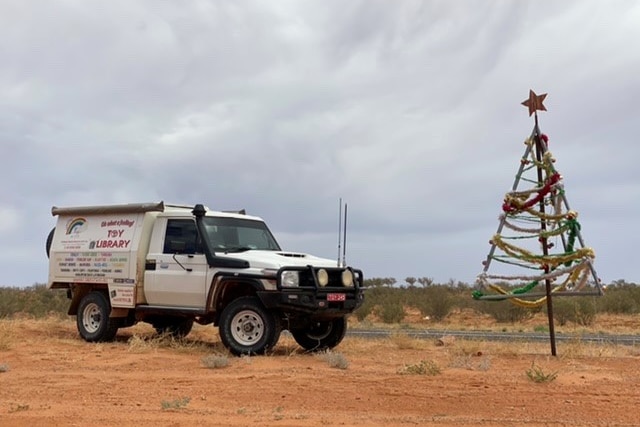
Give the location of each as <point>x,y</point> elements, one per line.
<point>246,327</point>
<point>321,335</point>
<point>94,324</point>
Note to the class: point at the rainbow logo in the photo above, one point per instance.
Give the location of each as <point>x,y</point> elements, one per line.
<point>76,225</point>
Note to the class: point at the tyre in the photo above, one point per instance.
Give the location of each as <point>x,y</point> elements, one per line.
<point>47,245</point>
<point>94,324</point>
<point>177,327</point>
<point>246,327</point>
<point>321,335</point>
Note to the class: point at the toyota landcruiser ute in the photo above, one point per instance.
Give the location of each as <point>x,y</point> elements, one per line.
<point>173,265</point>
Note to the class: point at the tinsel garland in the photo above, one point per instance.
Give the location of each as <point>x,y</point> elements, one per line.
<point>569,225</point>
<point>580,271</point>
<point>520,207</point>
<point>504,218</point>
<point>574,227</point>
<point>514,203</point>
<point>552,275</point>
<point>573,277</point>
<point>545,216</point>
<point>506,260</point>
<point>551,260</point>
<point>545,163</point>
<point>523,194</point>
<point>556,199</point>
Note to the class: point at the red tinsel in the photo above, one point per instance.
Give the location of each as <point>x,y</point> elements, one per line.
<point>508,206</point>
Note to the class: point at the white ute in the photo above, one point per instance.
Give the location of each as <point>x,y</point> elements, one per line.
<point>171,265</point>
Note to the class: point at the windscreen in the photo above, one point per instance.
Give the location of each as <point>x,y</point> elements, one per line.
<point>237,235</point>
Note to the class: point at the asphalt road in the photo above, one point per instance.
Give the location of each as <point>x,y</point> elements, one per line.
<point>631,340</point>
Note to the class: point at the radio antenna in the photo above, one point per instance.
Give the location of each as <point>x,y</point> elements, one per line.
<point>339,228</point>
<point>344,239</point>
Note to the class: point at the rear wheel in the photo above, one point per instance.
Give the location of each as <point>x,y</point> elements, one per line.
<point>321,335</point>
<point>94,324</point>
<point>246,327</point>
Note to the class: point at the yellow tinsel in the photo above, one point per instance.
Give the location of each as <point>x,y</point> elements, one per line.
<point>571,278</point>
<point>551,260</point>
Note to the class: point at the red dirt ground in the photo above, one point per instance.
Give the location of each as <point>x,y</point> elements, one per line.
<point>50,377</point>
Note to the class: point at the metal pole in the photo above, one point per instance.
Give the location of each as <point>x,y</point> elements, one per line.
<point>540,149</point>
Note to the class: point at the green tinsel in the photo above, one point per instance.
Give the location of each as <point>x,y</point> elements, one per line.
<point>574,227</point>
<point>477,294</point>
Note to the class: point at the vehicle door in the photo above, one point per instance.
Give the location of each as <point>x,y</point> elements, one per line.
<point>178,277</point>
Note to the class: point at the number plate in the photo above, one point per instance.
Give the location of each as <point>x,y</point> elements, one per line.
<point>336,297</point>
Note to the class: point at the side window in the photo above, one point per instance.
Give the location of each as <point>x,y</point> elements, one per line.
<point>181,237</point>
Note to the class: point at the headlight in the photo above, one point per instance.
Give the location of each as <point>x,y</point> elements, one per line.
<point>323,277</point>
<point>347,278</point>
<point>290,279</point>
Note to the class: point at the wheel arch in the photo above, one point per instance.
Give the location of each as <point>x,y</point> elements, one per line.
<point>79,291</point>
<point>227,288</point>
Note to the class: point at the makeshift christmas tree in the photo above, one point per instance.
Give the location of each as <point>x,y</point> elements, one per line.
<point>539,240</point>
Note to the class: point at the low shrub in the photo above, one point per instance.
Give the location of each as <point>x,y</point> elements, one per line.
<point>424,367</point>
<point>334,360</point>
<point>434,301</point>
<point>578,310</point>
<point>175,404</point>
<point>215,361</point>
<point>391,312</point>
<point>537,374</point>
<point>505,311</point>
<point>36,301</point>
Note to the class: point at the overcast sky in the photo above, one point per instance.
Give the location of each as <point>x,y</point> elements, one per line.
<point>407,110</point>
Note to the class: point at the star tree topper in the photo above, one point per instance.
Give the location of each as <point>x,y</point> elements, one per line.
<point>534,102</point>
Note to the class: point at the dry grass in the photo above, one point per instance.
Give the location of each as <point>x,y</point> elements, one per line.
<point>334,359</point>
<point>479,362</point>
<point>204,340</point>
<point>148,343</point>
<point>215,361</point>
<point>424,367</point>
<point>470,320</point>
<point>7,335</point>
<point>175,404</point>
<point>538,375</point>
<point>402,341</point>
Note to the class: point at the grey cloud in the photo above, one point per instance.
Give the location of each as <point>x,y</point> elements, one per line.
<point>409,112</point>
